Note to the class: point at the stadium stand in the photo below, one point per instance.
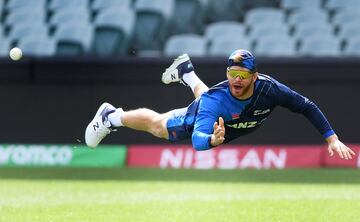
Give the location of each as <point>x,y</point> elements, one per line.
<point>113,31</point>
<point>225,28</point>
<point>59,4</point>
<point>5,46</point>
<point>189,18</point>
<point>73,38</point>
<point>275,46</point>
<point>35,46</point>
<point>33,4</point>
<point>26,29</point>
<point>73,15</point>
<point>36,15</point>
<point>194,45</point>
<point>152,23</point>
<point>115,27</point>
<point>290,5</point>
<point>99,5</point>
<point>259,15</point>
<point>225,45</point>
<point>320,45</point>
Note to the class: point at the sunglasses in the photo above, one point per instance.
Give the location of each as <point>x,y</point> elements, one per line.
<point>239,73</point>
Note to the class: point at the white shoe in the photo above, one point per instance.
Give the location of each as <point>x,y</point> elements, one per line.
<point>178,68</point>
<point>100,126</point>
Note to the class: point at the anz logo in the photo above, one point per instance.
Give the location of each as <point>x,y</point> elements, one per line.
<point>243,125</point>
<point>246,125</point>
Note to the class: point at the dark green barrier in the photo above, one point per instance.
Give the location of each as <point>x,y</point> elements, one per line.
<point>62,155</point>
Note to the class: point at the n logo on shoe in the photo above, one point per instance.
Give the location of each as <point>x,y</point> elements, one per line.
<point>96,126</point>
<point>173,77</point>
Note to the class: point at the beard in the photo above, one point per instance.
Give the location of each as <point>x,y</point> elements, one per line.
<point>239,91</point>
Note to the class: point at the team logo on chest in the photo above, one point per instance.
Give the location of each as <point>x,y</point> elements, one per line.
<point>261,112</point>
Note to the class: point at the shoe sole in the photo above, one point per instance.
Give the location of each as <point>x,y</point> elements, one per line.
<point>177,61</point>
<point>88,128</point>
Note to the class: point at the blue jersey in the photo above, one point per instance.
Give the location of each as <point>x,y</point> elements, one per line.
<point>244,116</point>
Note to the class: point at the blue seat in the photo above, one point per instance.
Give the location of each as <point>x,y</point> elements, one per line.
<point>347,15</point>
<point>353,47</point>
<point>5,46</point>
<point>33,4</point>
<point>268,29</point>
<point>73,39</point>
<point>113,31</point>
<point>99,5</point>
<point>59,4</point>
<point>37,15</point>
<point>189,17</point>
<point>306,15</point>
<point>349,30</point>
<point>194,45</point>
<point>224,28</point>
<point>73,15</point>
<point>28,28</point>
<point>35,46</point>
<point>275,46</point>
<point>291,5</point>
<point>320,46</point>
<point>225,10</point>
<point>152,18</point>
<point>259,15</point>
<point>225,45</point>
<point>312,28</point>
<point>335,5</point>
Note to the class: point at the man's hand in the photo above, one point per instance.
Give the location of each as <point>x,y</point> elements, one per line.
<point>217,137</point>
<point>334,144</point>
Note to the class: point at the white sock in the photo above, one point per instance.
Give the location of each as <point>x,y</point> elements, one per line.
<point>115,117</point>
<point>191,79</point>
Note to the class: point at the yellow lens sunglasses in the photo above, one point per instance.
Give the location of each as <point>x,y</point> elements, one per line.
<point>239,73</point>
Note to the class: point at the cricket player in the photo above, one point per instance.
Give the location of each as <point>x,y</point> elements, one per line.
<point>226,111</point>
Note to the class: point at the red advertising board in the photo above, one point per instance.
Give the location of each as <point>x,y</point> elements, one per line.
<point>226,157</point>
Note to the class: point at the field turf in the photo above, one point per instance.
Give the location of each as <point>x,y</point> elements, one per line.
<point>39,194</point>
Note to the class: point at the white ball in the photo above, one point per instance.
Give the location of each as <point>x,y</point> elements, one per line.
<point>15,54</point>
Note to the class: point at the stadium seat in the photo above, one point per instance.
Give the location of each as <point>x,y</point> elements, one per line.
<point>194,45</point>
<point>347,15</point>
<point>320,46</point>
<point>28,28</point>
<point>35,46</point>
<point>349,30</point>
<point>260,15</point>
<point>303,30</point>
<point>268,29</point>
<point>262,3</point>
<point>73,15</point>
<point>306,15</point>
<point>5,46</point>
<point>99,5</point>
<point>16,4</point>
<point>225,45</point>
<point>189,17</point>
<point>73,39</point>
<point>276,46</point>
<point>335,5</point>
<point>225,10</point>
<point>291,5</point>
<point>58,4</point>
<point>225,28</point>
<point>37,15</point>
<point>152,23</point>
<point>353,47</point>
<point>113,31</point>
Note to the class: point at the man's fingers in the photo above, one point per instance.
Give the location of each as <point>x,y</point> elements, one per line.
<point>340,153</point>
<point>350,150</point>
<point>221,122</point>
<point>331,151</point>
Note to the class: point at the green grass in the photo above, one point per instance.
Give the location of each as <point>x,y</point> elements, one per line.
<point>38,194</point>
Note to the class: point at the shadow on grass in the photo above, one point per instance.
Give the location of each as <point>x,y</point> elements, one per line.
<point>348,176</point>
